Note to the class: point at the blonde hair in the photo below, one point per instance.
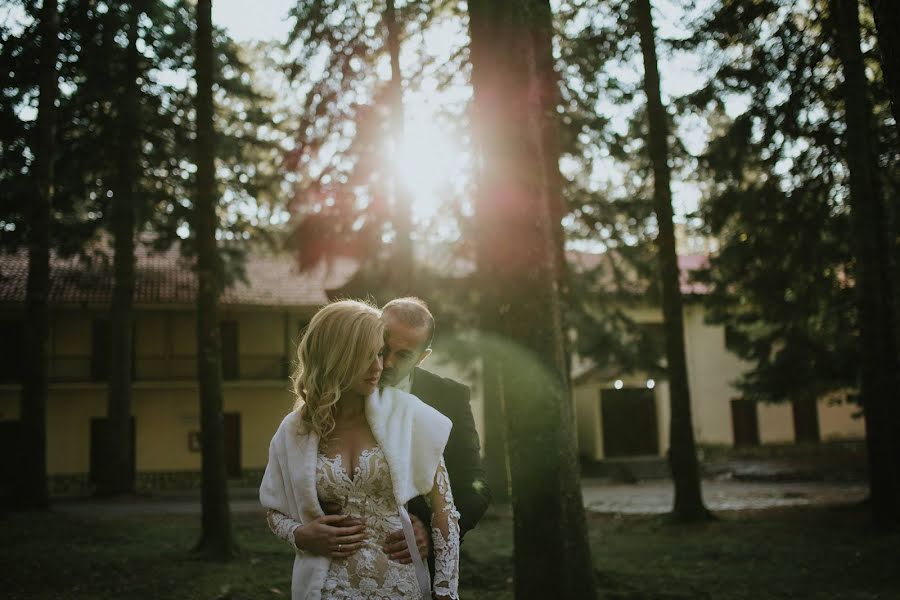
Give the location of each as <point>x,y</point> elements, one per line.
<point>336,349</point>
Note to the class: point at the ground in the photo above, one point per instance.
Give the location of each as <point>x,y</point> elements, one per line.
<point>140,548</point>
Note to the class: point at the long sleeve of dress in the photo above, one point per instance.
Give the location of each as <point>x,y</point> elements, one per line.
<point>283,526</point>
<point>444,536</point>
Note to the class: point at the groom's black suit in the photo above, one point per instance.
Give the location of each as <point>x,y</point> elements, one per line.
<point>462,454</point>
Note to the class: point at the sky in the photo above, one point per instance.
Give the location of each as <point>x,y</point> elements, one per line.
<point>267,20</point>
<point>248,20</point>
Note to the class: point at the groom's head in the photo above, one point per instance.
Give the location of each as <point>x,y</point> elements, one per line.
<point>408,332</point>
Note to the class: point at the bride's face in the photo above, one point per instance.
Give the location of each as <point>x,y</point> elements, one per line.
<point>368,381</point>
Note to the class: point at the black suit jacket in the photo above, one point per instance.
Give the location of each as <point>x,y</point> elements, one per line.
<point>462,454</point>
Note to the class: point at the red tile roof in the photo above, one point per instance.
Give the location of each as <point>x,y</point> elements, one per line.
<point>167,278</point>
<point>594,261</point>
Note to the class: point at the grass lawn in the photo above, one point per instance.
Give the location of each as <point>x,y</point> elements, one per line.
<point>795,553</point>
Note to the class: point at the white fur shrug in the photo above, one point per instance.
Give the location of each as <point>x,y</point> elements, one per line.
<point>412,436</point>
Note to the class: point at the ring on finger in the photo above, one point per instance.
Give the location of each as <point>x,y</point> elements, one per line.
<point>340,547</point>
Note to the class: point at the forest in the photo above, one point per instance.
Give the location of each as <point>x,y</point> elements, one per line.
<point>472,154</point>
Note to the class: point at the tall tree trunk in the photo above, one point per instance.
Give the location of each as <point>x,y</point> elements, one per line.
<point>482,28</point>
<point>875,275</point>
<point>117,475</point>
<point>32,490</point>
<point>402,263</point>
<point>887,20</point>
<point>216,539</point>
<point>552,556</point>
<point>496,452</point>
<point>688,505</point>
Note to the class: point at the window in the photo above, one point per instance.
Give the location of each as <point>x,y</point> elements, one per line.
<point>101,350</point>
<point>12,350</point>
<point>744,422</point>
<point>732,338</point>
<point>101,343</point>
<point>228,331</point>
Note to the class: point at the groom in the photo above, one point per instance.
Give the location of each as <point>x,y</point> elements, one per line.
<point>409,331</point>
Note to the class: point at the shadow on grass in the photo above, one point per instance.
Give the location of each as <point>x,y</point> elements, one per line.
<point>798,553</point>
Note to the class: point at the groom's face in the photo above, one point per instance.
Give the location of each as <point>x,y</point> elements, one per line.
<point>404,349</point>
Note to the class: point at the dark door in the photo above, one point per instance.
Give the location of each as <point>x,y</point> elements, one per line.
<point>744,422</point>
<point>629,422</point>
<point>233,444</point>
<point>98,430</point>
<point>806,420</point>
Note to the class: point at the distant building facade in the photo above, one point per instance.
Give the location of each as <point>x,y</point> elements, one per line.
<point>618,415</point>
<point>622,415</point>
<point>260,322</point>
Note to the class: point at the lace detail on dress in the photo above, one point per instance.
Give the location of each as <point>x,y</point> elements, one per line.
<point>444,536</point>
<point>283,526</point>
<point>368,574</point>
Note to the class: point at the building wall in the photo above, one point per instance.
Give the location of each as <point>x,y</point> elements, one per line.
<point>165,401</point>
<point>841,421</point>
<point>164,413</point>
<point>589,421</point>
<point>776,423</point>
<point>712,369</point>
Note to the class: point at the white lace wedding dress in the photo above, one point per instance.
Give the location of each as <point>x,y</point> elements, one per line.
<point>369,574</point>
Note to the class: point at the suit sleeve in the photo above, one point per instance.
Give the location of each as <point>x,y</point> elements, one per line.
<point>464,467</point>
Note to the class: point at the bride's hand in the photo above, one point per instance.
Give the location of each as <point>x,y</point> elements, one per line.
<point>337,536</point>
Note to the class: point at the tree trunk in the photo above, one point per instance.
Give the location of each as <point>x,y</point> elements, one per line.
<point>874,275</point>
<point>482,52</point>
<point>515,213</point>
<point>688,505</point>
<point>887,20</point>
<point>117,475</point>
<point>496,452</point>
<point>32,490</point>
<point>402,263</point>
<point>216,540</point>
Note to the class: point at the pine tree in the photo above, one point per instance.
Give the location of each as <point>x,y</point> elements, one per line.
<point>682,450</point>
<point>216,540</point>
<point>887,18</point>
<point>117,476</point>
<point>32,492</point>
<point>515,203</point>
<point>876,287</point>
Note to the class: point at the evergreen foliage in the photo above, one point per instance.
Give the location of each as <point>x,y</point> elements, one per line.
<point>775,181</point>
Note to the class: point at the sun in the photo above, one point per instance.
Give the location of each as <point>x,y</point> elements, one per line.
<point>430,164</point>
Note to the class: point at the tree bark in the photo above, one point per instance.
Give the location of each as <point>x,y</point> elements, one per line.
<point>875,275</point>
<point>515,213</point>
<point>402,263</point>
<point>117,475</point>
<point>688,505</point>
<point>216,539</point>
<point>32,490</point>
<point>887,21</point>
<point>484,110</point>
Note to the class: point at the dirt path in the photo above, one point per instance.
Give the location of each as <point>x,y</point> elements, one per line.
<point>655,497</point>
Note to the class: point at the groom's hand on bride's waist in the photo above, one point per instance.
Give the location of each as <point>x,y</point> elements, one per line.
<point>336,536</point>
<point>395,544</point>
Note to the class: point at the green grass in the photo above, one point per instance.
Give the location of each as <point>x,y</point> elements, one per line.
<point>787,553</point>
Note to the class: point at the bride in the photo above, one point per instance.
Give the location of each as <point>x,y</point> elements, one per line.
<point>367,450</point>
